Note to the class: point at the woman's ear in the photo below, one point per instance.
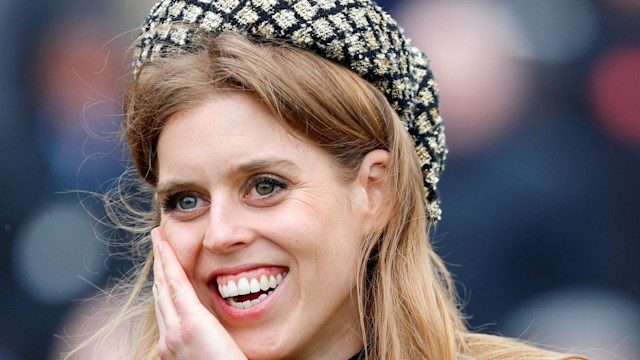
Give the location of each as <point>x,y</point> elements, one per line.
<point>370,185</point>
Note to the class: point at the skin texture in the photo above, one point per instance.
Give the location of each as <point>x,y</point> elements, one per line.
<point>240,193</point>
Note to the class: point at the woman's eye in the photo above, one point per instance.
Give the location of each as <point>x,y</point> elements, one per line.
<point>265,188</point>
<point>182,202</point>
<point>187,202</point>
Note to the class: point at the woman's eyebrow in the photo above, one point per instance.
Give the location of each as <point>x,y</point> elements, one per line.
<point>248,167</point>
<point>172,186</point>
<point>264,164</point>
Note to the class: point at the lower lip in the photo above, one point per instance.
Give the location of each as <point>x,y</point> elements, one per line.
<point>252,313</point>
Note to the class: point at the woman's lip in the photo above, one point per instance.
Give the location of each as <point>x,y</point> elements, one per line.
<point>234,314</point>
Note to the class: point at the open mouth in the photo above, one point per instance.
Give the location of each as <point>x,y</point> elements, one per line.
<point>245,291</point>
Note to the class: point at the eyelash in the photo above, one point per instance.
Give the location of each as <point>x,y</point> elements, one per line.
<point>170,201</point>
<point>269,179</point>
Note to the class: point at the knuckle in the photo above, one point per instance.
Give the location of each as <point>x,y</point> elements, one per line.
<point>172,342</point>
<point>163,350</point>
<point>174,288</point>
<point>186,334</point>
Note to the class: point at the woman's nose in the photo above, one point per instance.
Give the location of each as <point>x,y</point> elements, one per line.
<point>227,231</point>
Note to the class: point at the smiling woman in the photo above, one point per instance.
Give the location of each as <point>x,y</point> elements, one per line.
<point>258,221</point>
<point>293,149</point>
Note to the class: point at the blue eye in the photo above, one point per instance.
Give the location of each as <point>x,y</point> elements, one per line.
<point>182,201</point>
<point>187,202</point>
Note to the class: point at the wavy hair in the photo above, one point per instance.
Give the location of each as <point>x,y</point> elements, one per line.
<point>331,107</point>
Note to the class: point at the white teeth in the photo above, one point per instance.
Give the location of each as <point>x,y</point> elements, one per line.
<point>246,286</point>
<point>264,283</point>
<point>236,305</point>
<point>255,286</point>
<point>243,286</point>
<point>223,291</point>
<point>248,303</point>
<point>232,288</point>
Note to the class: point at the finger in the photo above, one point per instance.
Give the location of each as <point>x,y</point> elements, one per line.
<point>165,307</point>
<point>159,319</point>
<point>182,292</point>
<point>158,273</point>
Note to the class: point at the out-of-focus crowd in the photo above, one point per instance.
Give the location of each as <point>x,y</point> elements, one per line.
<point>541,201</point>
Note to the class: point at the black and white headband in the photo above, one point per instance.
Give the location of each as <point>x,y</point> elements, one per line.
<point>357,34</point>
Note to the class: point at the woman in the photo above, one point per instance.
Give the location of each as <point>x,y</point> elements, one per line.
<point>293,149</point>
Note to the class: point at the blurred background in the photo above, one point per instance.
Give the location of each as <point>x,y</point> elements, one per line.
<point>541,223</point>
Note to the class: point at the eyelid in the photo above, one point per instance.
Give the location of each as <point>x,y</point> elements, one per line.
<point>169,200</point>
<point>276,180</point>
<point>256,179</point>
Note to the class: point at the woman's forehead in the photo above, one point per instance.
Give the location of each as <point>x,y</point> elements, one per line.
<point>235,133</point>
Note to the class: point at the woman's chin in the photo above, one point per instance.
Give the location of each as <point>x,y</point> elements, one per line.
<point>267,344</point>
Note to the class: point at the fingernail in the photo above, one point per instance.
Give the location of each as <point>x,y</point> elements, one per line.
<point>160,246</point>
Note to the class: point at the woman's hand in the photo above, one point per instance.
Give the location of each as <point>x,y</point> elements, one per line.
<point>187,329</point>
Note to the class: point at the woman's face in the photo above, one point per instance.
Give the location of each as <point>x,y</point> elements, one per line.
<point>247,207</point>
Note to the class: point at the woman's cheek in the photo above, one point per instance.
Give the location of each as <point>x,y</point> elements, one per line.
<point>186,239</point>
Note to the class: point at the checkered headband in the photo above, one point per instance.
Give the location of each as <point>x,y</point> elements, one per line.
<point>354,33</point>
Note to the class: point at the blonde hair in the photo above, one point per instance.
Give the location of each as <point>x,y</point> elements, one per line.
<point>331,107</point>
